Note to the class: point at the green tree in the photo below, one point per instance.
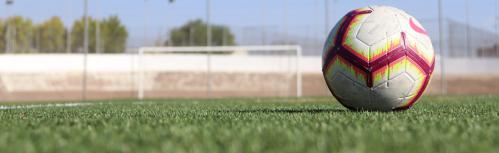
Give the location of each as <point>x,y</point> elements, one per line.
<point>50,36</point>
<point>114,35</point>
<point>2,36</point>
<point>77,35</point>
<point>21,32</point>
<point>193,33</point>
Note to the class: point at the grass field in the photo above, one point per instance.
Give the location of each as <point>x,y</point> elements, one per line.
<point>436,124</point>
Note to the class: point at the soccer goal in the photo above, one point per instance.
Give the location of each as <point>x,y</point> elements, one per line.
<point>219,71</point>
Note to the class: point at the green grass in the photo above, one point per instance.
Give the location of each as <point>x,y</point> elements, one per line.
<point>436,124</point>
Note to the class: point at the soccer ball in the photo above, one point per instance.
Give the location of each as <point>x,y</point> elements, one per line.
<point>377,58</point>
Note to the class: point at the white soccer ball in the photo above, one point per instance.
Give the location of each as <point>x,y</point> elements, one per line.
<point>378,58</point>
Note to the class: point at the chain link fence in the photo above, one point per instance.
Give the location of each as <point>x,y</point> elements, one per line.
<point>29,70</point>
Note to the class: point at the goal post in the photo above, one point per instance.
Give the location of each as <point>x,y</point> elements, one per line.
<point>211,55</point>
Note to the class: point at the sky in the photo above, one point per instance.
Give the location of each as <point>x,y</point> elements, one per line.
<point>296,17</point>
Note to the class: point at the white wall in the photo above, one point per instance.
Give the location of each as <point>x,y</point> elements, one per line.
<point>33,63</point>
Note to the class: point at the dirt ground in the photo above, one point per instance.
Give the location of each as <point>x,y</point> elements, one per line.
<point>313,85</point>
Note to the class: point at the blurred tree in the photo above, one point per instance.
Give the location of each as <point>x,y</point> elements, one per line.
<point>21,34</point>
<point>50,36</point>
<point>77,33</point>
<point>193,33</point>
<point>113,35</point>
<point>2,36</point>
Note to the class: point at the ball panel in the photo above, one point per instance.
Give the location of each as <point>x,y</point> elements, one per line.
<point>415,92</point>
<point>413,27</point>
<point>358,48</point>
<point>418,84</point>
<point>385,46</point>
<point>382,103</point>
<point>423,51</point>
<point>339,64</point>
<point>410,24</point>
<point>406,102</point>
<point>380,76</point>
<point>397,67</point>
<point>350,41</point>
<point>395,88</point>
<point>416,37</point>
<point>414,70</point>
<point>339,32</point>
<point>349,92</point>
<point>381,23</point>
<point>400,14</point>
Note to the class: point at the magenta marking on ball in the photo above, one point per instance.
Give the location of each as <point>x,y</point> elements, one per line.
<point>417,28</point>
<point>369,67</point>
<point>331,52</point>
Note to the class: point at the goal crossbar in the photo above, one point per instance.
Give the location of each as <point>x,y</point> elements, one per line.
<point>222,48</point>
<point>209,49</point>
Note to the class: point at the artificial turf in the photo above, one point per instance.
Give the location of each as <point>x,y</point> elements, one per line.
<point>451,124</point>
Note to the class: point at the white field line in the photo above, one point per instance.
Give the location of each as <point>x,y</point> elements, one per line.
<point>10,107</point>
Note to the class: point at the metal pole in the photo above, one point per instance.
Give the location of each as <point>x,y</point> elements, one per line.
<point>85,52</point>
<point>496,25</point>
<point>97,29</point>
<point>145,23</point>
<point>140,67</point>
<point>326,16</point>
<point>299,81</point>
<point>224,37</point>
<point>286,41</point>
<point>140,59</point>
<point>443,81</point>
<point>38,41</point>
<point>97,37</point>
<point>468,40</point>
<point>8,27</point>
<point>68,31</point>
<point>208,44</point>
<point>13,34</point>
<point>191,36</point>
<point>7,33</point>
<point>262,17</point>
<point>285,21</point>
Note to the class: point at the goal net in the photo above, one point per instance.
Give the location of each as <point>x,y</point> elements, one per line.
<point>219,71</point>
